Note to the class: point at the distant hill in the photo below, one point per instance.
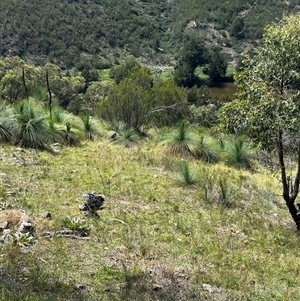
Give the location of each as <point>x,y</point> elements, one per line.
<point>69,32</point>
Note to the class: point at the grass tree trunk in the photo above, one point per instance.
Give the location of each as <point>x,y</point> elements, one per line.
<point>24,83</point>
<point>50,97</point>
<point>290,186</point>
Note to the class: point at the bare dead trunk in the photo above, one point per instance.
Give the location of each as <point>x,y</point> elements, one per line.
<point>50,97</point>
<point>24,83</point>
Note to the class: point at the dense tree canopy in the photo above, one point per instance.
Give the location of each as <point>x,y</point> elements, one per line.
<point>67,33</point>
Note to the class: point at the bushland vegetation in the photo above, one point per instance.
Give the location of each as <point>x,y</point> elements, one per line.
<point>188,208</point>
<point>100,33</point>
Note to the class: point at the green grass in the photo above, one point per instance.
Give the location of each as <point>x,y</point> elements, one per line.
<point>155,239</point>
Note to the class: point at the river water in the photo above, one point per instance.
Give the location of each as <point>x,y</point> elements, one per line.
<point>222,90</point>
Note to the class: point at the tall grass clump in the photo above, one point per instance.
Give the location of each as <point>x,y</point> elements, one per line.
<point>239,154</point>
<point>32,125</point>
<point>185,175</point>
<point>225,191</point>
<point>206,184</point>
<point>7,122</point>
<point>181,141</point>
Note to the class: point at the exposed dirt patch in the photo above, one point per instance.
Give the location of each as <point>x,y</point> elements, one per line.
<point>11,219</point>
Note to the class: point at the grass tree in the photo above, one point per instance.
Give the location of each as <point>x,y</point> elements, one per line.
<point>90,126</point>
<point>66,127</point>
<point>124,135</point>
<point>7,122</point>
<point>239,154</point>
<point>185,175</point>
<point>181,141</point>
<point>32,128</point>
<point>207,150</point>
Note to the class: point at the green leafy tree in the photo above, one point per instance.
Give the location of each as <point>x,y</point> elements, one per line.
<point>96,92</point>
<point>119,73</point>
<point>217,66</point>
<point>171,103</point>
<point>193,55</point>
<point>130,101</point>
<point>89,75</point>
<point>238,28</point>
<point>184,74</point>
<point>267,106</point>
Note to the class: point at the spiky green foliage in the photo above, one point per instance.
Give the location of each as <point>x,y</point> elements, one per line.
<point>185,175</point>
<point>182,141</point>
<point>206,150</point>
<point>206,184</point>
<point>127,137</point>
<point>66,127</point>
<point>32,125</point>
<point>224,191</point>
<point>117,126</point>
<point>90,126</point>
<point>239,154</point>
<point>76,224</point>
<point>7,122</point>
<point>39,93</point>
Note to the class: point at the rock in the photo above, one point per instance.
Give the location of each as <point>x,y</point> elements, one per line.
<point>6,234</point>
<point>157,287</point>
<point>93,203</point>
<point>48,234</point>
<point>46,215</point>
<point>112,135</point>
<point>209,288</point>
<point>25,227</point>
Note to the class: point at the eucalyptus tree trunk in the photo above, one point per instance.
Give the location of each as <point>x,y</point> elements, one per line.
<point>290,186</point>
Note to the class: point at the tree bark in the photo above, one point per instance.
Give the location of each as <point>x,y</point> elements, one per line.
<point>290,188</point>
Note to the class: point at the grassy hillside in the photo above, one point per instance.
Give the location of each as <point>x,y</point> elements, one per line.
<point>70,32</point>
<point>155,239</point>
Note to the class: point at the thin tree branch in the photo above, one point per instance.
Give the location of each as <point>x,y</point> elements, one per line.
<point>164,108</point>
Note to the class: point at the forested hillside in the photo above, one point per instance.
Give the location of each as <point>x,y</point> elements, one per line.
<point>104,31</point>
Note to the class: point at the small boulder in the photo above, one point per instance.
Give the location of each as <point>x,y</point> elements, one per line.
<point>93,202</point>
